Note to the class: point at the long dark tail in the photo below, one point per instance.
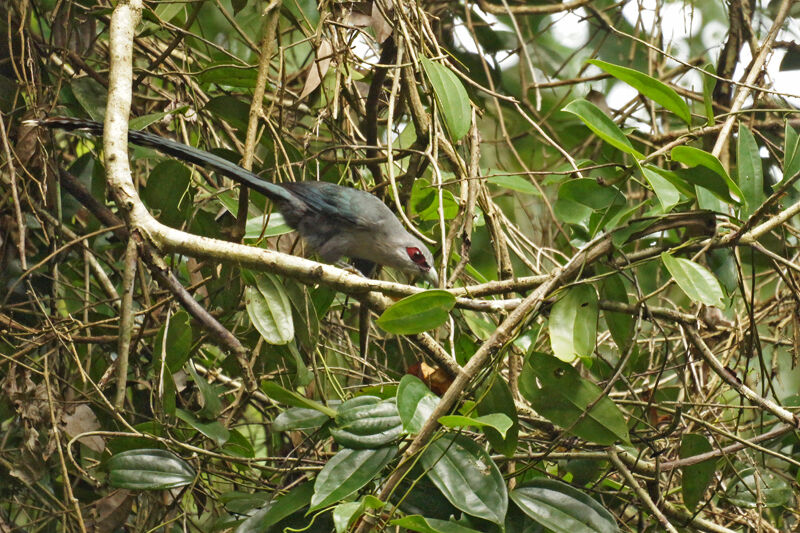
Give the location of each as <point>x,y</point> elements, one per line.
<point>178,150</point>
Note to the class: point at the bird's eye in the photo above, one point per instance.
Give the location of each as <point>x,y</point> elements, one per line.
<point>416,255</point>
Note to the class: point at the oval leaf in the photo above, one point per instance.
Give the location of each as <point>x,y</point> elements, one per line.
<point>695,280</point>
<point>149,469</point>
<point>367,422</point>
<point>562,508</point>
<point>422,524</point>
<point>694,157</point>
<point>269,310</point>
<point>467,477</point>
<point>573,323</point>
<point>451,97</point>
<point>348,471</point>
<point>697,477</point>
<point>649,87</point>
<point>417,313</point>
<point>757,488</point>
<point>751,178</point>
<point>602,126</point>
<point>557,392</point>
<point>498,421</point>
<point>667,194</point>
<point>415,403</point>
<point>497,398</point>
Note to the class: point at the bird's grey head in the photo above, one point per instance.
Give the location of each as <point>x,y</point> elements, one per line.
<point>414,258</point>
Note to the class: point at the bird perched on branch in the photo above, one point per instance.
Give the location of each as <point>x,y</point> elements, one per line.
<point>336,221</point>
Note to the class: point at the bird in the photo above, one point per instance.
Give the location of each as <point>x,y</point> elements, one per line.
<point>336,221</point>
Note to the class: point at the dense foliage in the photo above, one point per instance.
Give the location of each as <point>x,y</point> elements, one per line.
<point>610,190</point>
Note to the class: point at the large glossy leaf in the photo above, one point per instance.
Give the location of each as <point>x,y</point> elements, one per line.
<point>277,510</point>
<point>467,477</point>
<point>178,340</point>
<point>210,394</point>
<point>149,469</point>
<point>497,421</point>
<point>367,422</point>
<point>602,126</point>
<point>430,525</point>
<point>588,192</point>
<point>166,191</point>
<point>650,87</point>
<point>695,280</point>
<point>299,418</point>
<point>213,430</point>
<point>269,309</point>
<point>573,323</point>
<point>557,392</point>
<point>348,471</point>
<point>620,325</point>
<point>278,393</point>
<point>417,313</point>
<point>562,508</point>
<point>451,96</point>
<point>791,153</point>
<point>415,403</point>
<point>695,477</point>
<point>667,194</point>
<point>497,398</point>
<point>709,82</point>
<point>751,179</point>
<point>757,487</point>
<point>694,157</point>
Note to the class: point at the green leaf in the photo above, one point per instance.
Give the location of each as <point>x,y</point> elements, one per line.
<point>346,472</point>
<point>573,323</point>
<point>166,191</point>
<point>141,122</point>
<point>213,430</point>
<point>415,403</point>
<point>299,418</point>
<point>557,392</point>
<point>269,309</point>
<point>178,341</point>
<point>515,183</point>
<point>276,225</point>
<point>498,421</point>
<point>149,469</point>
<point>212,405</point>
<point>367,422</point>
<point>751,179</point>
<point>588,192</point>
<point>279,394</point>
<point>562,508</point>
<point>601,125</point>
<point>791,153</point>
<point>419,523</point>
<point>695,280</point>
<point>697,477</point>
<point>275,511</point>
<point>467,477</point>
<point>451,97</point>
<point>228,75</point>
<point>417,313</point>
<point>620,325</point>
<point>649,87</point>
<point>758,487</point>
<point>345,514</point>
<point>694,157</point>
<point>498,399</point>
<point>709,82</point>
<point>667,194</point>
<point>239,445</point>
<point>91,95</point>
